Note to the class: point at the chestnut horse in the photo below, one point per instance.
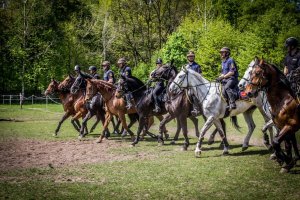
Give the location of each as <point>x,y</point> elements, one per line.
<point>68,100</point>
<point>115,105</point>
<point>285,108</point>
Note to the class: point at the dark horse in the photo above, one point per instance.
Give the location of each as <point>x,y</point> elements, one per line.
<point>145,105</point>
<point>177,105</point>
<point>285,109</point>
<point>72,103</point>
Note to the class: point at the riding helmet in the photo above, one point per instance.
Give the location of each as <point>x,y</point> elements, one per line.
<point>77,68</point>
<point>190,54</point>
<point>121,61</point>
<point>291,41</point>
<point>93,68</point>
<point>159,61</point>
<point>106,63</point>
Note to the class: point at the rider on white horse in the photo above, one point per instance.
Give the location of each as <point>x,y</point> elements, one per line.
<point>229,76</point>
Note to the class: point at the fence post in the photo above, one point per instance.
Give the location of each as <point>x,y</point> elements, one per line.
<point>31,99</point>
<point>10,100</point>
<point>47,102</point>
<point>3,98</point>
<point>21,100</point>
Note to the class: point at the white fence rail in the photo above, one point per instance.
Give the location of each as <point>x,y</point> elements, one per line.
<point>19,99</point>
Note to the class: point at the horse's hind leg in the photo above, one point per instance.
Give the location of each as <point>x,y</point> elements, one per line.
<point>163,127</point>
<point>107,120</point>
<point>65,116</point>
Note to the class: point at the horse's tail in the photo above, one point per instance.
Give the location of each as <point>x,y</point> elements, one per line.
<point>234,122</point>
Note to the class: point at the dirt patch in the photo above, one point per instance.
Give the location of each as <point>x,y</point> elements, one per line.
<point>20,153</point>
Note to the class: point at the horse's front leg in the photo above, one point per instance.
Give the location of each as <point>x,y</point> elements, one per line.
<point>107,120</point>
<point>268,126</point>
<point>183,123</point>
<point>162,124</point>
<point>221,129</point>
<point>84,124</point>
<point>280,155</point>
<point>64,117</point>
<point>251,126</point>
<point>124,125</point>
<point>163,127</point>
<point>142,122</point>
<point>195,122</point>
<point>206,126</point>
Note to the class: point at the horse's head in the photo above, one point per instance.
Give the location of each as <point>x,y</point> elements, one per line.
<point>52,87</point>
<point>78,83</point>
<point>165,72</point>
<point>66,84</point>
<point>91,89</point>
<point>258,78</point>
<point>247,74</point>
<point>180,81</point>
<point>121,87</point>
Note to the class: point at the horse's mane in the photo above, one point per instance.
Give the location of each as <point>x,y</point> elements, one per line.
<point>104,84</point>
<point>282,77</point>
<point>135,83</point>
<point>199,76</point>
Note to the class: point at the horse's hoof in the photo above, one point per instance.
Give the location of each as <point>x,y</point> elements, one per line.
<point>183,148</point>
<point>210,142</point>
<point>167,136</point>
<point>273,156</point>
<point>132,145</point>
<point>197,153</point>
<point>54,134</point>
<point>225,152</point>
<point>98,141</point>
<point>284,170</point>
<point>244,148</point>
<point>173,142</point>
<point>80,137</point>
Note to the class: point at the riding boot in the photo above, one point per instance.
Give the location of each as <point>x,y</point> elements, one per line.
<point>231,102</point>
<point>128,101</point>
<point>196,110</point>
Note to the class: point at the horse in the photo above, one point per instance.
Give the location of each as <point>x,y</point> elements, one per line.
<point>67,100</point>
<point>178,106</point>
<point>285,108</point>
<point>143,103</point>
<point>213,103</point>
<point>114,104</point>
<point>263,107</point>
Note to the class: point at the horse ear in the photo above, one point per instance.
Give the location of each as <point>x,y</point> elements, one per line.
<point>256,60</point>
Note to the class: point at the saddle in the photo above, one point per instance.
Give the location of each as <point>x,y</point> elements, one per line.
<point>238,95</point>
<point>162,97</point>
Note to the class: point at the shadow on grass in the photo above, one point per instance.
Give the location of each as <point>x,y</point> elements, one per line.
<point>251,152</point>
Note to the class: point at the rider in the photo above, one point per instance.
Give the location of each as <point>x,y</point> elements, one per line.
<point>292,59</point>
<point>196,67</point>
<point>229,76</point>
<point>125,71</point>
<point>108,73</point>
<point>93,72</point>
<point>159,87</point>
<point>80,76</point>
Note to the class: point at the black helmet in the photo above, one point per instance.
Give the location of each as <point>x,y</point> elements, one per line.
<point>77,68</point>
<point>159,61</point>
<point>93,68</point>
<point>291,41</point>
<point>225,49</point>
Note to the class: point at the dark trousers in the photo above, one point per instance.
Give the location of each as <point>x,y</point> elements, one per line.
<point>156,92</point>
<point>229,87</point>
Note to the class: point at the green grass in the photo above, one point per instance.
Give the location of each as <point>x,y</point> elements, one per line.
<point>164,173</point>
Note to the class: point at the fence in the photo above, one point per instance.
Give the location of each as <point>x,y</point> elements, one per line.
<point>19,99</point>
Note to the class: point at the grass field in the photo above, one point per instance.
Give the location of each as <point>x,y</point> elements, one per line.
<point>147,171</point>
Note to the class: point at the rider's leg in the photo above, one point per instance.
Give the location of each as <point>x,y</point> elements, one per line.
<point>156,92</point>
<point>128,97</point>
<point>229,88</point>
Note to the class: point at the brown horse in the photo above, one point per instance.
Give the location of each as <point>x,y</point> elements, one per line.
<point>115,105</point>
<point>284,107</point>
<point>67,100</point>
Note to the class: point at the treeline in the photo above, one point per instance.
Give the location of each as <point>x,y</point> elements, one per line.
<point>45,39</point>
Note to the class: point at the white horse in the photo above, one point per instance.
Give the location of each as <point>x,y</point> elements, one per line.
<point>214,105</point>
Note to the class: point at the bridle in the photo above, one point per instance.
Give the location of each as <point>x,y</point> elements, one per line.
<point>260,77</point>
<point>76,85</point>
